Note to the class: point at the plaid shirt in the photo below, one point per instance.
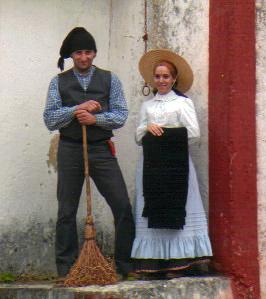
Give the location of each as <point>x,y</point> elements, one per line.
<point>57,116</point>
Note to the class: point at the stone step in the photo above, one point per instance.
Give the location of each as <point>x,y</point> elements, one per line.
<point>216,287</point>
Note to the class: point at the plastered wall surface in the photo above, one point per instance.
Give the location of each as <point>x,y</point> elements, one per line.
<point>261,140</point>
<point>31,33</point>
<point>183,27</point>
<point>28,150</point>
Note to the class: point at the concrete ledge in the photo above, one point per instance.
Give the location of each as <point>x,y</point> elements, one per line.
<point>179,288</point>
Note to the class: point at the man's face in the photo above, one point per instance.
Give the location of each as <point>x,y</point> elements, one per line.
<point>83,59</point>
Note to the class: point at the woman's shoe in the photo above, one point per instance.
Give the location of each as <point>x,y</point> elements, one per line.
<point>174,274</point>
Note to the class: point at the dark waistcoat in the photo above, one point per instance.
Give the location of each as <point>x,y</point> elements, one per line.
<point>73,94</point>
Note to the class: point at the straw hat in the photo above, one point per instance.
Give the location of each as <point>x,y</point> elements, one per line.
<point>152,57</point>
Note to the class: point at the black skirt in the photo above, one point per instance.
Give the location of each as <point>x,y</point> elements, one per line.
<point>165,178</point>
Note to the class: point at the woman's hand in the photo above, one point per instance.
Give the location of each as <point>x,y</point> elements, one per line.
<point>156,130</point>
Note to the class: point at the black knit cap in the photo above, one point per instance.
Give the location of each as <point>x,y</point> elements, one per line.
<point>77,39</point>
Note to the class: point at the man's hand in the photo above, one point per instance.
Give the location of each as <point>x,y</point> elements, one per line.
<point>90,106</point>
<point>155,129</point>
<point>84,117</point>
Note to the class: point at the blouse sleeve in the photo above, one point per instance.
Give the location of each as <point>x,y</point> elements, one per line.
<point>142,127</point>
<point>189,119</point>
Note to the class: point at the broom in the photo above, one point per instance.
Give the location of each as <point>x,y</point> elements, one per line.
<point>91,267</point>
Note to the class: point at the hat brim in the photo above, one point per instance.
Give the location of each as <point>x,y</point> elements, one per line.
<point>149,60</point>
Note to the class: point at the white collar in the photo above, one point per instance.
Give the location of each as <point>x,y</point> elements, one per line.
<point>165,97</point>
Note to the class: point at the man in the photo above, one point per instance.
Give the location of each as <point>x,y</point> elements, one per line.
<point>87,95</point>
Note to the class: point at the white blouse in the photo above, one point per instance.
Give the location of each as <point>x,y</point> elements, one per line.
<point>170,111</point>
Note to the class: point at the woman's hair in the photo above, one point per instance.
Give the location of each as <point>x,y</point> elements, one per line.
<point>169,65</point>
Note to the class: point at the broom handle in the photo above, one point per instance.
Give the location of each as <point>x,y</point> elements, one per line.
<point>86,168</point>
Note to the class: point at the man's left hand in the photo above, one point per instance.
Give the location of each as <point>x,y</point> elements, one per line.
<point>85,118</point>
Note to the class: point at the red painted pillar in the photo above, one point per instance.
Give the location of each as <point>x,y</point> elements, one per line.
<point>232,143</point>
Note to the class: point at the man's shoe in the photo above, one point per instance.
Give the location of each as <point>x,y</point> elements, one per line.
<point>59,282</point>
<point>131,276</point>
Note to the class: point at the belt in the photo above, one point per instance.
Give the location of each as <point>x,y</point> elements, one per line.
<point>69,139</point>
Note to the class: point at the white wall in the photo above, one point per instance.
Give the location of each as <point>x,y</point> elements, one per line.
<point>31,33</point>
<point>183,26</point>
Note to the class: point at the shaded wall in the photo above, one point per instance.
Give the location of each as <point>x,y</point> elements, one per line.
<point>232,144</point>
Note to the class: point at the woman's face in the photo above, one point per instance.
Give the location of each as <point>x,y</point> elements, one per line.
<point>163,79</point>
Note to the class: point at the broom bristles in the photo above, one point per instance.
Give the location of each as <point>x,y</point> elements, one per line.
<point>91,266</point>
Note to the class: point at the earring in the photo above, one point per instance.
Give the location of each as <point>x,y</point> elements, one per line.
<point>146,90</point>
<point>174,82</point>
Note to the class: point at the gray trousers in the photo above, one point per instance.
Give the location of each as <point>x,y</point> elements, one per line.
<point>107,176</point>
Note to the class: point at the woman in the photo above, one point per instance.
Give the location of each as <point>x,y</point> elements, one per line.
<point>165,243</point>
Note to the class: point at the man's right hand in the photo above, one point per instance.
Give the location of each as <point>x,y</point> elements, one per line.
<point>90,106</point>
